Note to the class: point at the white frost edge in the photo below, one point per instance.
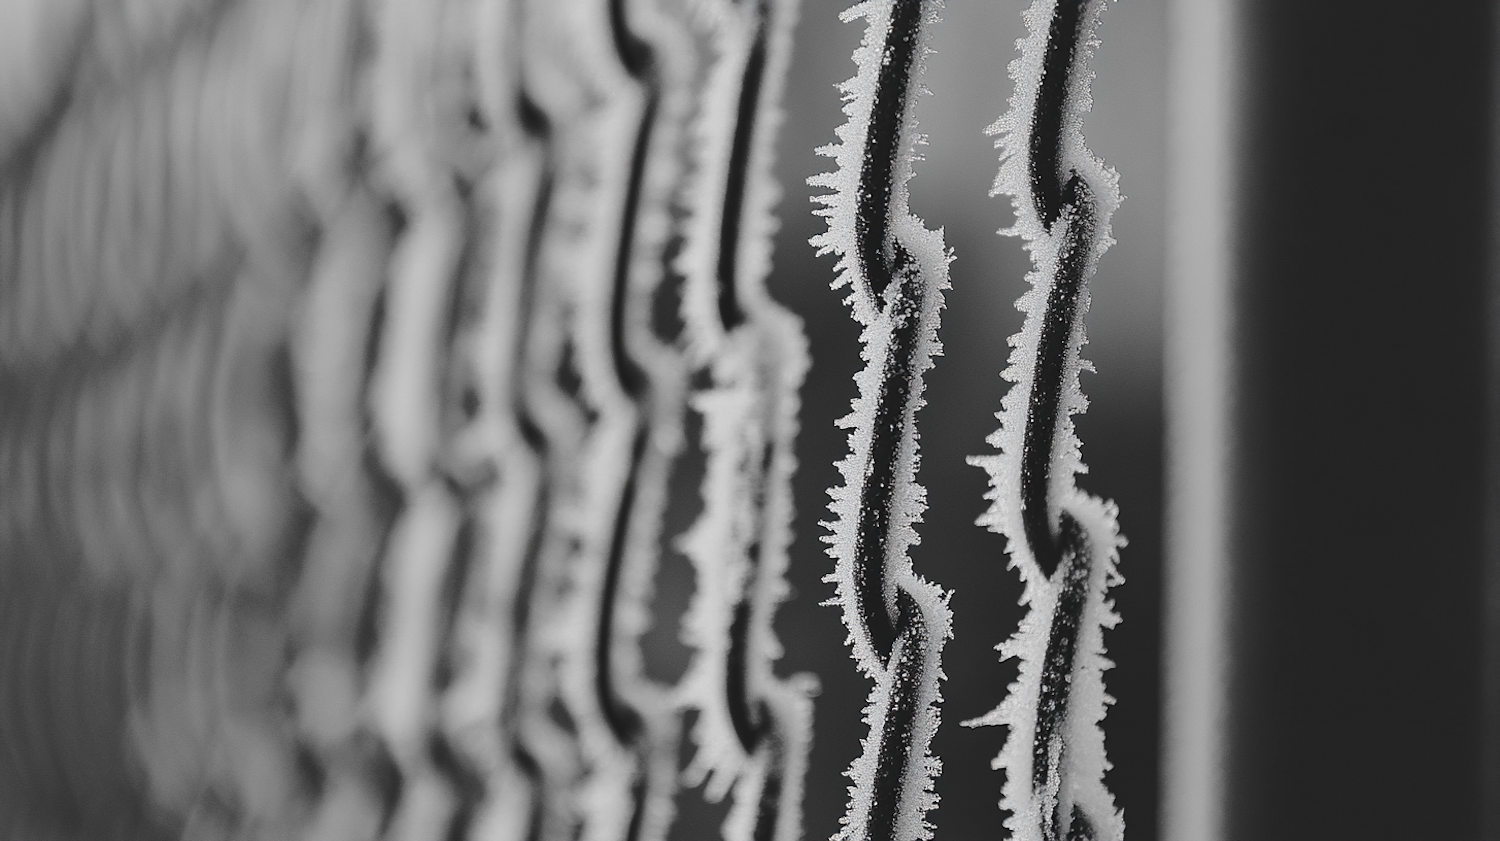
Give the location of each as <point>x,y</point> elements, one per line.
<point>932,262</point>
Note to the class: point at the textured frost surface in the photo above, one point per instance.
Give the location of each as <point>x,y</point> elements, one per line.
<point>896,270</point>
<point>293,183</point>
<point>880,322</point>
<point>148,289</point>
<point>1012,131</point>
<point>131,202</point>
<point>1064,196</point>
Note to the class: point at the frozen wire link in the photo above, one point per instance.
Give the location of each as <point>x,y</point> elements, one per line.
<point>753,729</point>
<point>1064,542</point>
<point>633,66</point>
<point>896,270</point>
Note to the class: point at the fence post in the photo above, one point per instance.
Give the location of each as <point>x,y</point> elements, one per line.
<point>1202,116</point>
<point>1344,490</point>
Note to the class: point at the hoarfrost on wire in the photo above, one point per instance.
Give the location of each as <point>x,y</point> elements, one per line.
<point>1063,541</point>
<point>896,270</point>
<point>753,730</point>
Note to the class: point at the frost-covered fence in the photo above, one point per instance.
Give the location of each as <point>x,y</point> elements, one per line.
<point>383,416</point>
<point>356,344</point>
<point>368,414</point>
<point>753,727</point>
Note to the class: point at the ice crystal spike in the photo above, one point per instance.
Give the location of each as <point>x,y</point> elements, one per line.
<point>896,270</point>
<point>1064,542</point>
<point>753,727</point>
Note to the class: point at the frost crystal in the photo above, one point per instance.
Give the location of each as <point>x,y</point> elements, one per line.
<point>1064,542</point>
<point>896,270</point>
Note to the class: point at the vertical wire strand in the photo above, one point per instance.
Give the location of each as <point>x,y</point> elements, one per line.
<point>754,729</point>
<point>509,448</point>
<point>413,135</point>
<point>551,102</point>
<point>1064,542</point>
<point>554,104</point>
<point>333,609</point>
<point>896,270</point>
<point>631,66</point>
